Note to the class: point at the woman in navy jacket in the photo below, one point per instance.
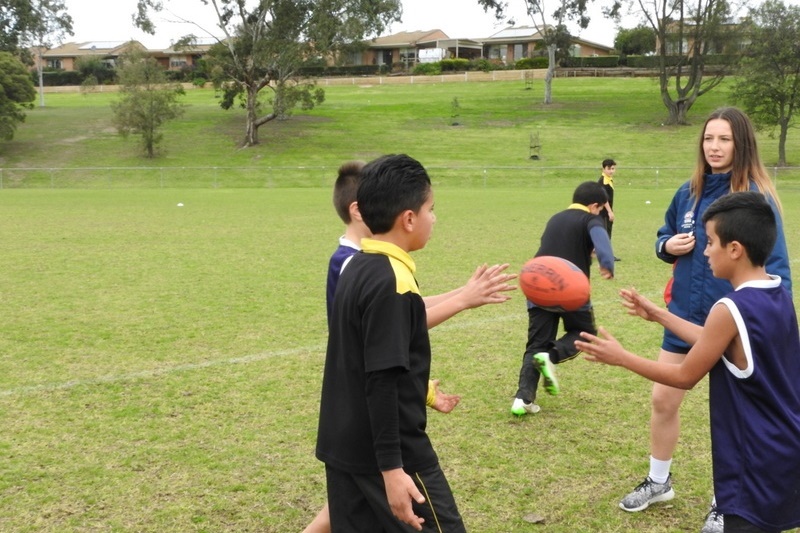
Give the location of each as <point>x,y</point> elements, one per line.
<point>728,161</point>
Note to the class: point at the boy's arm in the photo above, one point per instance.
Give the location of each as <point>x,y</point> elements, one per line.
<point>717,336</point>
<point>383,407</point>
<point>485,286</point>
<point>640,306</point>
<point>602,248</point>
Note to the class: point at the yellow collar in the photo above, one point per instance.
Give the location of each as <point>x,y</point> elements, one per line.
<point>372,246</point>
<point>608,180</point>
<point>579,206</point>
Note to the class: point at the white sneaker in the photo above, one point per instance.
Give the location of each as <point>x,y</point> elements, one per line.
<point>715,521</point>
<point>521,408</point>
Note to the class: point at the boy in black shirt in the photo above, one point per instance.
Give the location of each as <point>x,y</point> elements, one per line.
<point>571,234</point>
<point>378,458</point>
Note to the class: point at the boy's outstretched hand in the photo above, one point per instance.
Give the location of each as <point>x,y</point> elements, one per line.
<point>444,403</point>
<point>638,305</point>
<point>604,349</point>
<point>400,490</point>
<point>487,285</point>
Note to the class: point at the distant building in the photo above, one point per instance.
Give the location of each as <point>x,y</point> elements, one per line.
<point>514,43</point>
<point>65,57</point>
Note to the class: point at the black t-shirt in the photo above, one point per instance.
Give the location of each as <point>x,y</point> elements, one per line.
<point>373,413</point>
<point>567,235</point>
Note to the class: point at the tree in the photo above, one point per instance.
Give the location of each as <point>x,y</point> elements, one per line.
<point>552,25</point>
<point>50,24</point>
<point>636,41</point>
<point>768,85</point>
<point>146,101</point>
<point>16,94</point>
<point>265,45</point>
<point>687,33</point>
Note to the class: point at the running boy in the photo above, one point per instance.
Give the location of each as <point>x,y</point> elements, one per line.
<point>372,435</point>
<point>750,347</point>
<point>571,234</point>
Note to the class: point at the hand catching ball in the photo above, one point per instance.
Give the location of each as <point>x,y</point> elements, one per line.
<point>554,283</point>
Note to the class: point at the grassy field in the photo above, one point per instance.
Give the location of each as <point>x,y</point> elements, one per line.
<point>160,366</point>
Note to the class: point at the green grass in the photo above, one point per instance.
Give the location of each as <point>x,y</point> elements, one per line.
<point>589,120</point>
<point>160,366</point>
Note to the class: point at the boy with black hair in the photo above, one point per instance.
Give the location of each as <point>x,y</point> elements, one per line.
<point>607,181</point>
<point>571,234</point>
<point>750,348</point>
<point>372,435</point>
<point>485,286</point>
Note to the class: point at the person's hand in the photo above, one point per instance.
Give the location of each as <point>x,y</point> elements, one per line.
<point>606,273</point>
<point>444,403</point>
<point>638,305</point>
<point>605,349</point>
<point>611,216</point>
<point>680,244</point>
<point>400,490</point>
<point>486,286</point>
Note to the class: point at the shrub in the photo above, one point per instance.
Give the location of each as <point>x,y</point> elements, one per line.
<point>592,62</point>
<point>454,65</point>
<point>531,62</point>
<point>427,69</point>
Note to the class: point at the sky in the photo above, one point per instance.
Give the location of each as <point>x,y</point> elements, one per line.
<point>110,20</point>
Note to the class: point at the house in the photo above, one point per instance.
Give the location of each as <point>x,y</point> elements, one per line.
<point>514,43</point>
<point>507,45</point>
<point>66,56</point>
<point>184,56</point>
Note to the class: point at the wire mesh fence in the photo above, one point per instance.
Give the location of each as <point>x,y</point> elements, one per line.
<point>259,177</point>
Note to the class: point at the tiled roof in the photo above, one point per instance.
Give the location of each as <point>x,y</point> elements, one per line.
<point>409,38</point>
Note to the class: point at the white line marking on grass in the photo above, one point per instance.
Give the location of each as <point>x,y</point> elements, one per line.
<point>144,374</point>
<point>510,315</point>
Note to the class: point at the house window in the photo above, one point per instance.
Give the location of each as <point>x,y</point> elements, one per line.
<point>354,58</point>
<point>54,63</point>
<point>498,52</point>
<point>177,63</point>
<point>520,51</point>
<point>408,56</point>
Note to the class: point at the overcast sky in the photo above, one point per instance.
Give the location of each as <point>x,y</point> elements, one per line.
<point>110,20</point>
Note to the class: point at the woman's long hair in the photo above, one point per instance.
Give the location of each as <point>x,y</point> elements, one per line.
<point>747,163</point>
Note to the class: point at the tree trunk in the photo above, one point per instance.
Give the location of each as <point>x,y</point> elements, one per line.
<point>40,68</point>
<point>784,125</point>
<point>551,72</point>
<point>251,134</point>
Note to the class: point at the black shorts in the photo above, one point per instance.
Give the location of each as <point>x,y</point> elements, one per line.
<point>358,503</point>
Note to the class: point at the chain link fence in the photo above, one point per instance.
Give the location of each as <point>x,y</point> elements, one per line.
<point>533,176</point>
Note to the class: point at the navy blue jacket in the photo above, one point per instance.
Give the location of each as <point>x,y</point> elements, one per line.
<point>695,289</point>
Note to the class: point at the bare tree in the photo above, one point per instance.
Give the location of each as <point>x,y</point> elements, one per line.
<point>550,20</point>
<point>687,34</point>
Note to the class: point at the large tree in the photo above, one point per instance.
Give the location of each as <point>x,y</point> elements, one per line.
<point>551,21</point>
<point>687,33</point>
<point>16,94</point>
<point>23,22</point>
<point>639,41</point>
<point>264,43</point>
<point>49,25</point>
<point>146,100</point>
<point>768,85</point>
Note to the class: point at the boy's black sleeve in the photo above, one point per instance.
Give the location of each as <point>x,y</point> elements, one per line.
<point>384,415</point>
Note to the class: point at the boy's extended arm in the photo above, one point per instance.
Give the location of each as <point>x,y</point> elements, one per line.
<point>640,306</point>
<point>719,334</point>
<point>485,286</point>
